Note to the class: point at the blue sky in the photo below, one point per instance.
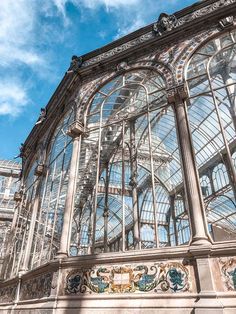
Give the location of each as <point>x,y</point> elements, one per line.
<point>37,40</point>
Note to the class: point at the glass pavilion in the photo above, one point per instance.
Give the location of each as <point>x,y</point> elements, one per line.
<point>129,183</point>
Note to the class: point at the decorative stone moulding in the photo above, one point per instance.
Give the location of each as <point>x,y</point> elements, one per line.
<point>76,129</point>
<point>226,22</point>
<point>155,278</point>
<point>228,270</point>
<point>39,170</point>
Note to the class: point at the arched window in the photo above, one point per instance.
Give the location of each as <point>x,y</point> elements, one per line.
<point>48,227</point>
<point>129,165</point>
<point>23,220</point>
<point>211,79</point>
<point>220,177</point>
<point>205,183</point>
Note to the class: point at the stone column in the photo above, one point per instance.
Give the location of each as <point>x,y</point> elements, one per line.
<point>177,97</point>
<point>106,208</point>
<point>75,131</point>
<point>172,215</point>
<point>133,184</point>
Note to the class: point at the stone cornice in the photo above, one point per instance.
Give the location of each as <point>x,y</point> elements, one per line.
<point>198,11</point>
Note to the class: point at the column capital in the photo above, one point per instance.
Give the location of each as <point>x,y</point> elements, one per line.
<point>177,94</point>
<point>76,129</point>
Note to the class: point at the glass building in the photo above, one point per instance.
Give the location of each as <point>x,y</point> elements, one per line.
<point>128,198</point>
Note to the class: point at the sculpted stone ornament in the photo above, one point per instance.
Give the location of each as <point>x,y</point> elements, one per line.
<point>18,196</point>
<point>21,149</point>
<point>227,21</point>
<point>42,116</point>
<point>39,170</point>
<point>165,23</point>
<point>122,66</point>
<point>76,63</point>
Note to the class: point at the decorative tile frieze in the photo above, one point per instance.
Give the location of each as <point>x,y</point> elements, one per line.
<point>37,287</point>
<point>76,129</point>
<point>8,293</point>
<point>156,278</point>
<point>228,271</point>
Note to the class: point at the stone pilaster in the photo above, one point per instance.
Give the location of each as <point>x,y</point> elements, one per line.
<point>75,131</point>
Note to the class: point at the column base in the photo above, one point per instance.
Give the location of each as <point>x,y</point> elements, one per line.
<point>200,241</point>
<point>61,255</point>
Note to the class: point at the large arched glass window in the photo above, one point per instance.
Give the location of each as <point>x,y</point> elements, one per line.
<point>211,78</point>
<point>23,219</point>
<point>129,177</point>
<point>49,220</point>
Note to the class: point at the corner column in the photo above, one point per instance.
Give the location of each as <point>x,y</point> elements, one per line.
<point>177,98</point>
<point>76,129</point>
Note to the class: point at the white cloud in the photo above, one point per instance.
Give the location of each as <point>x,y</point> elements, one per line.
<point>13,98</point>
<point>126,28</point>
<point>18,49</point>
<point>107,3</point>
<point>92,4</point>
<point>28,32</point>
<point>17,33</point>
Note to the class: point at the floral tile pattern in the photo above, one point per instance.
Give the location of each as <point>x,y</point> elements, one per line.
<point>228,270</point>
<point>171,277</point>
